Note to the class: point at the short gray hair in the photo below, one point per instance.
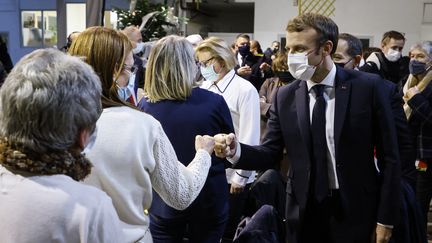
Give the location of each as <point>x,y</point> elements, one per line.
<point>425,46</point>
<point>47,99</point>
<point>171,70</point>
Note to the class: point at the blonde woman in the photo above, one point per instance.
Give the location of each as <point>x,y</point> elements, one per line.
<point>185,110</point>
<point>132,155</point>
<point>217,67</point>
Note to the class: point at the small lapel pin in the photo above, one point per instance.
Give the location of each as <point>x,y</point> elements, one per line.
<point>343,87</point>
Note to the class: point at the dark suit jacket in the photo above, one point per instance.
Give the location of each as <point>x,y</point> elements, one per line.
<point>254,62</point>
<point>363,119</point>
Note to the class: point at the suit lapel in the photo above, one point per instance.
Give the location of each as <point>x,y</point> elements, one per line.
<point>302,107</point>
<point>342,93</point>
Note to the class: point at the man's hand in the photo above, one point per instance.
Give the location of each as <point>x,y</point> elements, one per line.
<point>225,145</point>
<point>382,234</point>
<point>265,66</point>
<point>245,70</point>
<point>236,188</point>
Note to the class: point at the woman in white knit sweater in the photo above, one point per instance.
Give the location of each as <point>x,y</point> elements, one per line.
<point>132,153</point>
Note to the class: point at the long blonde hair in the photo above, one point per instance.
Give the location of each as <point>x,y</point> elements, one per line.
<point>105,50</point>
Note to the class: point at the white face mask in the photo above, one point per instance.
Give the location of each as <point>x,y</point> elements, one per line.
<point>138,48</point>
<point>298,65</point>
<point>90,142</point>
<point>209,73</point>
<point>393,55</point>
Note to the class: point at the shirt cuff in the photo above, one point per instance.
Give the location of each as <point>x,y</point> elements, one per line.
<point>239,179</point>
<point>386,226</point>
<point>237,154</point>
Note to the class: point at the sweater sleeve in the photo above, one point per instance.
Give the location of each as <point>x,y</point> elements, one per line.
<point>176,184</point>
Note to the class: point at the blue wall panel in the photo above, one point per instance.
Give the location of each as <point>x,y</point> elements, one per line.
<point>10,20</point>
<point>38,4</point>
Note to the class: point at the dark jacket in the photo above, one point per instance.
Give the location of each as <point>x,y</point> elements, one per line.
<point>397,72</point>
<point>363,120</point>
<point>5,57</point>
<point>254,62</point>
<point>421,122</point>
<point>139,78</point>
<point>265,226</point>
<point>203,113</point>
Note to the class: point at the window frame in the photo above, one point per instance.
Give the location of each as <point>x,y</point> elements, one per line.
<point>42,11</point>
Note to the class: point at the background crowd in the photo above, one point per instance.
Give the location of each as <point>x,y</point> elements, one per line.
<point>198,140</point>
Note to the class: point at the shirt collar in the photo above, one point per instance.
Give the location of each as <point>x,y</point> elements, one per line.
<point>329,80</point>
<point>225,80</point>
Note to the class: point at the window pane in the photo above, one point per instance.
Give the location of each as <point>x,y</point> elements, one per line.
<point>50,28</point>
<point>31,28</point>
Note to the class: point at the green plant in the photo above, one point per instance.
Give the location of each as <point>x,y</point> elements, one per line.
<point>156,25</point>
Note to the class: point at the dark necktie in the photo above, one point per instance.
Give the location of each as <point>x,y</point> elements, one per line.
<point>320,172</point>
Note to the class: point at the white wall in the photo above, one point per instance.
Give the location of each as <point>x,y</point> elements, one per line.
<point>229,38</point>
<point>360,18</point>
<point>373,18</point>
<point>271,18</point>
<point>75,17</point>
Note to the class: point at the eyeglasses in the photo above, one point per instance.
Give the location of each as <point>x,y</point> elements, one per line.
<point>132,69</point>
<point>204,63</point>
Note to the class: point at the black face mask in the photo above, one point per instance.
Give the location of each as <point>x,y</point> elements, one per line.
<point>342,64</point>
<point>416,67</point>
<point>244,50</point>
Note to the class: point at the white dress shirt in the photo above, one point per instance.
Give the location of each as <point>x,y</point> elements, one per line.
<point>243,101</point>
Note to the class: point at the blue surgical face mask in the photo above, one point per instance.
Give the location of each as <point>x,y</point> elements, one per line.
<point>125,92</point>
<point>209,73</point>
<point>139,47</point>
<point>416,67</point>
<point>90,142</point>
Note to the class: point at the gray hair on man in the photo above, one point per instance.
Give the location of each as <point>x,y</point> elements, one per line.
<point>47,99</point>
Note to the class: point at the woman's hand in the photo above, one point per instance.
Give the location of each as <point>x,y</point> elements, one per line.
<point>204,142</point>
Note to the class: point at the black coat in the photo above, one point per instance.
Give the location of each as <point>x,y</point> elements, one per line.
<point>363,120</point>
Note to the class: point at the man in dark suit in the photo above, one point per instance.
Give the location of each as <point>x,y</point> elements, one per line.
<point>250,67</point>
<point>335,192</point>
